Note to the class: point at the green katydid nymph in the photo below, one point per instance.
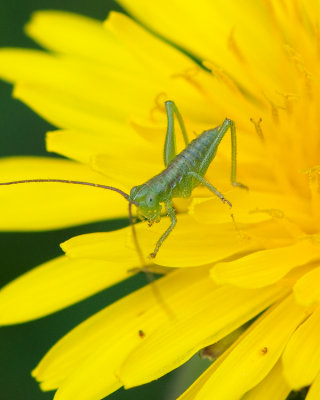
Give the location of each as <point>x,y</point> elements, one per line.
<point>182,174</point>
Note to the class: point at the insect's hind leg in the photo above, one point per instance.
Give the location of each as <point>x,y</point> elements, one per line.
<point>209,186</point>
<point>228,123</point>
<point>169,152</point>
<point>171,213</point>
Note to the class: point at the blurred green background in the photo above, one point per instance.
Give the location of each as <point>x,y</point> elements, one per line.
<point>21,133</point>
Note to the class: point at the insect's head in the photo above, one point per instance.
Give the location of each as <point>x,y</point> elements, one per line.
<point>147,202</point>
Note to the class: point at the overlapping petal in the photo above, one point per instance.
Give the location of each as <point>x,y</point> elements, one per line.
<point>54,285</point>
<point>78,36</point>
<point>307,290</point>
<point>200,244</point>
<point>238,42</point>
<point>265,267</point>
<point>108,337</point>
<point>255,353</point>
<point>274,386</point>
<point>301,358</point>
<point>213,317</point>
<point>252,207</point>
<point>41,206</point>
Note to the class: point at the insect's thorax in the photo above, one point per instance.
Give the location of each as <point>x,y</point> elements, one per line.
<point>175,180</point>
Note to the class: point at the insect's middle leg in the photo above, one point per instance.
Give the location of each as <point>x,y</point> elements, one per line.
<point>171,213</point>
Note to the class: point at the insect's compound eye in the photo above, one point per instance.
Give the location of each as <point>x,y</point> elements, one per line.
<point>150,200</point>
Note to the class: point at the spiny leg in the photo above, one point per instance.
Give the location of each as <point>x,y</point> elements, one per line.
<point>220,132</point>
<point>171,213</point>
<point>209,186</point>
<point>169,152</point>
<point>228,123</point>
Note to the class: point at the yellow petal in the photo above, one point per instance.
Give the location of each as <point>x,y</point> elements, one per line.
<point>39,66</point>
<point>93,87</point>
<point>274,386</point>
<point>189,244</point>
<point>93,93</point>
<point>158,56</point>
<point>232,24</point>
<point>250,207</point>
<point>137,169</point>
<point>265,267</point>
<point>98,92</point>
<point>61,111</point>
<point>54,285</point>
<point>38,206</point>
<point>107,246</point>
<point>188,83</point>
<point>78,36</point>
<point>192,390</point>
<point>207,319</point>
<point>307,288</point>
<point>68,111</point>
<point>84,146</point>
<point>84,363</point>
<point>301,358</point>
<point>255,354</point>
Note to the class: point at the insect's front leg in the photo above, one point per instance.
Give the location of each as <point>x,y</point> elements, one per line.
<point>172,214</point>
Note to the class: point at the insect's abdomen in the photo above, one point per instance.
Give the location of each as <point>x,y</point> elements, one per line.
<point>199,154</point>
<point>196,157</point>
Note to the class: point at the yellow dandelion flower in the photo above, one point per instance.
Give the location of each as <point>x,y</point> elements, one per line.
<point>103,86</point>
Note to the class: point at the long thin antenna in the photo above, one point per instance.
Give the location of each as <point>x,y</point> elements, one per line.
<point>97,185</point>
<point>134,233</point>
